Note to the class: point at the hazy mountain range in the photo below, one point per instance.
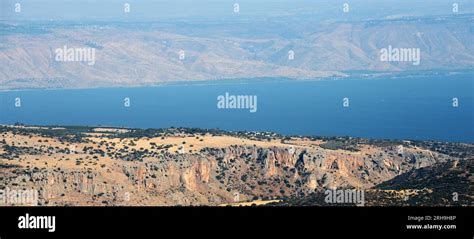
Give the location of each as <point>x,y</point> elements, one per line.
<point>148,53</point>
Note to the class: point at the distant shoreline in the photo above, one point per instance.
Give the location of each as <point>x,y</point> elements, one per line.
<point>351,75</point>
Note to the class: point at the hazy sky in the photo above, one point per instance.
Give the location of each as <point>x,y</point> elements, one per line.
<point>159,9</point>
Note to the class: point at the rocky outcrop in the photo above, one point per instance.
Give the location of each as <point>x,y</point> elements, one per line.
<point>214,175</point>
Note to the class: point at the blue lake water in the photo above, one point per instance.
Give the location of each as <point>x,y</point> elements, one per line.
<point>402,108</point>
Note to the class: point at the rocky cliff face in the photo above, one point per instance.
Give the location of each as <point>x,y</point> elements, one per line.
<point>215,175</point>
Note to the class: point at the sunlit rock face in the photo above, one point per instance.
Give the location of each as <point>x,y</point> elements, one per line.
<point>158,174</point>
